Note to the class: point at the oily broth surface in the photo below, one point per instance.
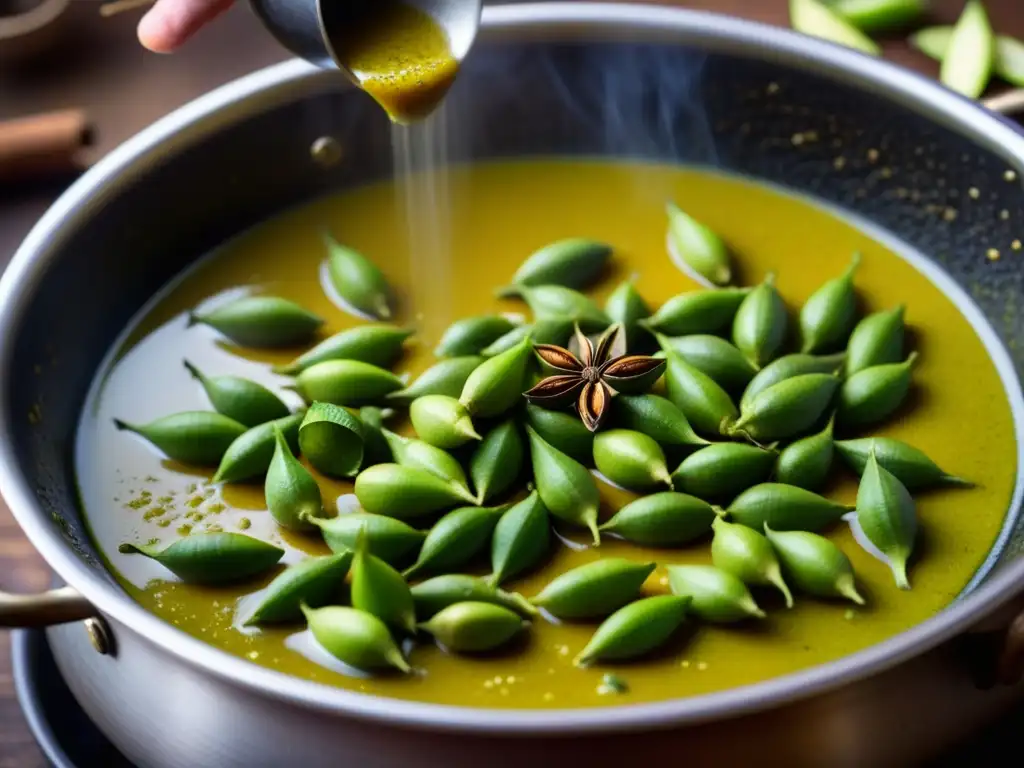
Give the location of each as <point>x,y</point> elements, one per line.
<point>502,212</point>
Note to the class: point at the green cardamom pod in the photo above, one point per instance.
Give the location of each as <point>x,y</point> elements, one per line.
<point>788,367</point>
<point>967,63</point>
<point>265,322</point>
<point>626,307</point>
<point>722,470</point>
<point>716,595</point>
<point>635,629</point>
<point>910,465</point>
<point>696,312</point>
<point>784,508</point>
<point>807,462</point>
<point>250,453</point>
<point>191,437</point>
<point>410,452</point>
<point>240,399</point>
<point>565,486</point>
<point>314,581</point>
<point>787,409</point>
<point>521,539</point>
<point>356,638</point>
<point>565,431</point>
<point>379,345</point>
<point>379,589</point>
<point>876,340</point>
<point>759,328</point>
<point>828,315</point>
<point>870,396</point>
<point>657,417</point>
<point>631,460</point>
<point>872,16</point>
<point>666,519</point>
<point>887,516</point>
<point>331,439</point>
<point>456,539</point>
<point>548,331</point>
<point>574,262</point>
<point>705,404</point>
<point>389,539</point>
<point>358,281</point>
<point>697,247</point>
<point>346,382</point>
<point>747,555</point>
<point>405,492</point>
<point>447,377</point>
<point>292,493</point>
<point>442,421</point>
<point>716,357</point>
<point>556,302</point>
<point>211,558</point>
<point>436,594</point>
<point>375,446</point>
<point>498,461</point>
<point>471,335</point>
<point>473,627</point>
<point>594,590</point>
<point>497,384</point>
<point>814,564</point>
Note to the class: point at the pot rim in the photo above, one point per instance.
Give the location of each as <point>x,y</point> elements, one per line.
<point>292,79</point>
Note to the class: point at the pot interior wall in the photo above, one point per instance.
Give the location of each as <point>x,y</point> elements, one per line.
<point>929,185</point>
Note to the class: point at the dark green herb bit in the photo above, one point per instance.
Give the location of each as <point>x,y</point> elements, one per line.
<point>717,596</point>
<point>574,262</point>
<point>211,558</point>
<point>635,629</point>
<point>908,464</point>
<point>472,335</point>
<point>435,594</point>
<point>250,453</point>
<point>887,517</point>
<point>612,684</point>
<point>665,519</point>
<point>784,508</point>
<point>474,627</point>
<point>594,590</point>
<point>331,439</point>
<point>521,539</point>
<point>261,321</point>
<point>240,399</point>
<point>379,344</point>
<point>314,581</point>
<point>356,638</point>
<point>358,281</point>
<point>814,564</point>
<point>191,437</point>
<point>722,470</point>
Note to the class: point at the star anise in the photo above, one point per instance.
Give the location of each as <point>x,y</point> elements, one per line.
<point>592,374</point>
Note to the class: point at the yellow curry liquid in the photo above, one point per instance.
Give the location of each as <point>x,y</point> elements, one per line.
<point>503,212</point>
<point>400,56</point>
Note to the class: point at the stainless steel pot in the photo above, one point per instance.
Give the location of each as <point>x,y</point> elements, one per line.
<point>891,147</point>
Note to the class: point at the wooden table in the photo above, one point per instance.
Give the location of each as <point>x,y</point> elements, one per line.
<point>102,69</point>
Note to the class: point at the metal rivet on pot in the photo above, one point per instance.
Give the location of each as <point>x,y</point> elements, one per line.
<point>99,635</point>
<point>326,151</point>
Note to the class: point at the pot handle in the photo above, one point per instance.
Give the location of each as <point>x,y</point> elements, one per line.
<point>57,606</point>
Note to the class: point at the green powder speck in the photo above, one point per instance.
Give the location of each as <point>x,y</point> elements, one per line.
<point>184,530</point>
<point>165,523</point>
<point>165,500</point>
<point>244,524</point>
<point>215,508</point>
<point>195,501</point>
<point>214,528</point>
<point>154,513</point>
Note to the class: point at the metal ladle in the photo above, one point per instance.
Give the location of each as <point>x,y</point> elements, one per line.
<point>302,26</point>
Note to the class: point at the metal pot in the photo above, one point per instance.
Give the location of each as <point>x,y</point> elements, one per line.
<point>889,146</point>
